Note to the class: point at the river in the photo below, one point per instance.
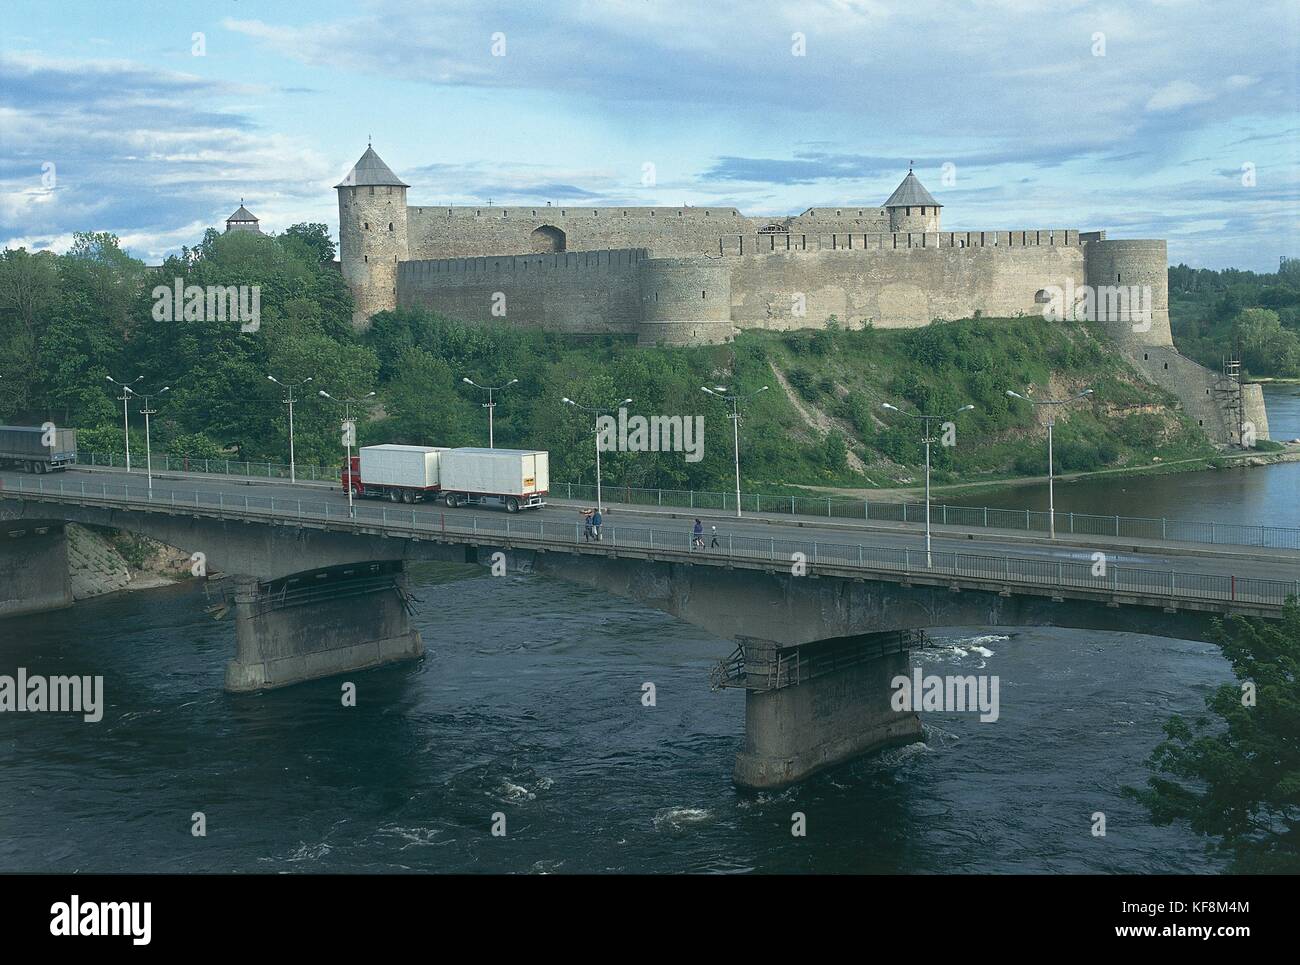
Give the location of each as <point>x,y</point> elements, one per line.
<point>528,703</point>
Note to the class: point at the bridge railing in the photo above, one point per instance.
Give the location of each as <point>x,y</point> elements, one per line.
<point>677,543</point>
<point>829,507</point>
<point>973,517</point>
<point>243,469</point>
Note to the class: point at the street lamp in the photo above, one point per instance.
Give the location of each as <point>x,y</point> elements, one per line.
<point>489,405</point>
<point>124,397</point>
<point>349,433</point>
<point>148,447</point>
<point>927,439</point>
<point>598,412</point>
<point>735,399</point>
<point>289,401</point>
<point>1051,421</point>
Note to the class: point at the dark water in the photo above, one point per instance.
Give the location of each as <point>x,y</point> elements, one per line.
<point>528,703</point>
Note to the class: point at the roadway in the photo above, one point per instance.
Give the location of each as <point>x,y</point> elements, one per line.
<point>1239,561</point>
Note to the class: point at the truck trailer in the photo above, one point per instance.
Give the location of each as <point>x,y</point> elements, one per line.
<point>402,474</point>
<point>515,478</point>
<point>25,447</point>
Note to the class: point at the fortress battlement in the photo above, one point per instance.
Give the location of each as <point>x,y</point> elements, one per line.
<point>767,243</point>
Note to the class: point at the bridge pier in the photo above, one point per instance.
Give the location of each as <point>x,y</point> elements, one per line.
<point>813,706</point>
<point>33,567</point>
<point>319,624</point>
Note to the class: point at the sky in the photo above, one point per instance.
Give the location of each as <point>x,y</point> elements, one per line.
<point>1146,118</point>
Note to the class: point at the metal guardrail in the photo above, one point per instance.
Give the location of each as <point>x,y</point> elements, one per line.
<point>1000,571</point>
<point>975,517</point>
<point>828,507</point>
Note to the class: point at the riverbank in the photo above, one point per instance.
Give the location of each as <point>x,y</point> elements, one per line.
<point>105,561</point>
<point>1003,483</point>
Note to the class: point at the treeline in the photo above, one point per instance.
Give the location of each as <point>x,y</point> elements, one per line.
<point>1217,314</point>
<point>68,322</point>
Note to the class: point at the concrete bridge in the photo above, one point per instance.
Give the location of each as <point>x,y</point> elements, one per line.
<point>822,618</point>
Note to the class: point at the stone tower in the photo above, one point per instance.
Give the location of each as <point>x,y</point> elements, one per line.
<point>912,208</point>
<point>242,220</point>
<point>372,234</point>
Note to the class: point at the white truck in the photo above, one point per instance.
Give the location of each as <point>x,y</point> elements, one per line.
<point>515,478</point>
<point>402,474</point>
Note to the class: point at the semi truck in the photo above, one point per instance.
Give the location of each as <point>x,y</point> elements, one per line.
<point>514,478</point>
<point>402,474</point>
<point>25,447</point>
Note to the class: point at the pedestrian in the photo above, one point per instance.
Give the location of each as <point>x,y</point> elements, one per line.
<point>697,536</point>
<point>586,520</point>
<point>596,520</point>
<point>714,543</point>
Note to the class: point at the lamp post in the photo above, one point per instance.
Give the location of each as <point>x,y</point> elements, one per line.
<point>349,433</point>
<point>720,392</point>
<point>289,400</point>
<point>146,411</point>
<point>597,412</point>
<point>489,405</point>
<point>927,439</point>
<point>1051,421</point>
<point>124,397</point>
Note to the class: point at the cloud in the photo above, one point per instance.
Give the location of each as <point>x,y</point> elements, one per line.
<point>1176,94</point>
<point>143,152</point>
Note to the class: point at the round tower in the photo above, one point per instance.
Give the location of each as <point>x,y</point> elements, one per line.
<point>685,301</point>
<point>372,234</point>
<point>912,208</point>
<point>1128,284</point>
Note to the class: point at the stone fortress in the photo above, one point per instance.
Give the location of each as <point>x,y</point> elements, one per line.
<point>692,276</point>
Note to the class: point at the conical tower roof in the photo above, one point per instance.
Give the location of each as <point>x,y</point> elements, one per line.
<point>369,170</point>
<point>243,214</point>
<point>911,193</point>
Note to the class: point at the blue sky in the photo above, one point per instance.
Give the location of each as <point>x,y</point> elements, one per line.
<point>1154,135</point>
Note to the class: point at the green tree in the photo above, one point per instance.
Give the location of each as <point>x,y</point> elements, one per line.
<point>1234,774</point>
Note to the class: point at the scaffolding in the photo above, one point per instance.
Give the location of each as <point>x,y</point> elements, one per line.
<point>1228,394</point>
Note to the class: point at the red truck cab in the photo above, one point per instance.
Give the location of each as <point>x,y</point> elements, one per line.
<point>350,476</point>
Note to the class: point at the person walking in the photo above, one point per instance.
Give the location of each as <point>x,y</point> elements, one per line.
<point>714,543</point>
<point>586,524</point>
<point>697,536</point>
<point>596,520</point>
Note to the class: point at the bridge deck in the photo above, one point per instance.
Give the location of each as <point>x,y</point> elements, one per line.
<point>1208,587</point>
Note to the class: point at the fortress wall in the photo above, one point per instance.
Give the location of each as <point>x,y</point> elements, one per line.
<point>1199,390</point>
<point>845,220</point>
<point>584,292</point>
<point>880,241</point>
<point>898,288</point>
<point>466,232</point>
<point>472,232</point>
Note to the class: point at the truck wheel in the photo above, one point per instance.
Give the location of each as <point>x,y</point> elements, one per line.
<point>512,505</point>
<point>394,496</point>
<point>452,501</point>
<point>408,497</point>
